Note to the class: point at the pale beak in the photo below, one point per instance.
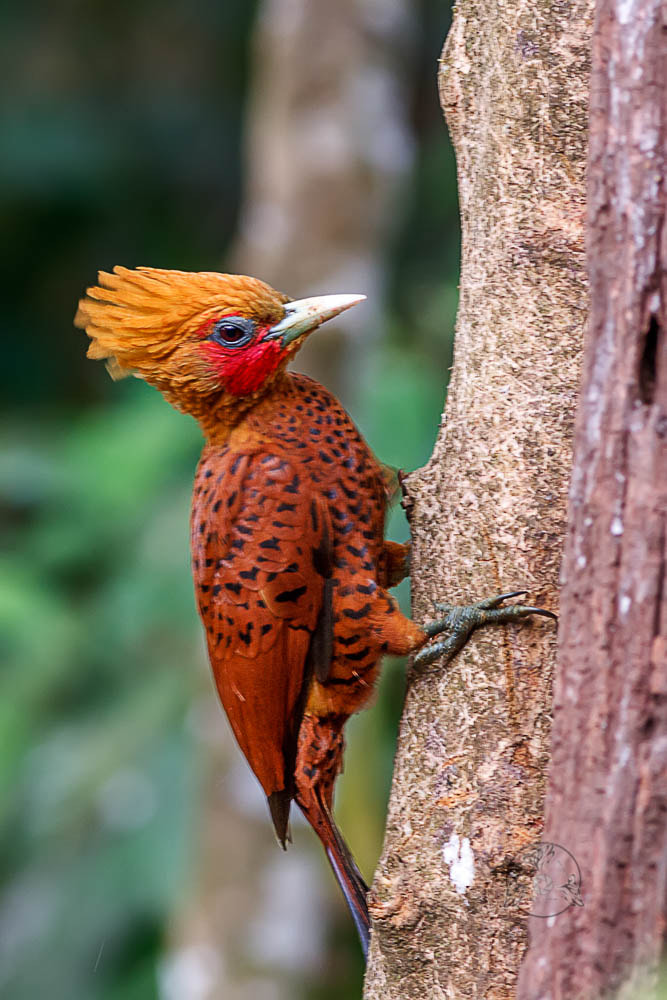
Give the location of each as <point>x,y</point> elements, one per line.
<point>304,315</point>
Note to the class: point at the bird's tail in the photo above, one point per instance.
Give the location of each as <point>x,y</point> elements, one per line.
<point>344,867</point>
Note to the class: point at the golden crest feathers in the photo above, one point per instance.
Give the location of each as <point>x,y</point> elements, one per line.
<point>137,318</point>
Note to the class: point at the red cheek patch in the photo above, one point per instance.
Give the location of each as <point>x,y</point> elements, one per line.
<point>245,369</point>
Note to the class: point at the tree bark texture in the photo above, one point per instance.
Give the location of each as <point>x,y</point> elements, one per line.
<point>489,510</point>
<point>607,797</point>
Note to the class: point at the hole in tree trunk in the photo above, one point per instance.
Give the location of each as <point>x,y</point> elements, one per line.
<point>648,361</point>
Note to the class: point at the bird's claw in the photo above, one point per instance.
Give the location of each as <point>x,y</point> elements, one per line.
<point>460,621</point>
<point>523,610</point>
<point>486,605</point>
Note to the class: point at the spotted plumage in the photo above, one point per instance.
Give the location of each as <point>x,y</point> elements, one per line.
<point>290,564</point>
<point>289,561</point>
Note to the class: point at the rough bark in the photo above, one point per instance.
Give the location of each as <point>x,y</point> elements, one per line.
<point>490,507</point>
<point>607,797</point>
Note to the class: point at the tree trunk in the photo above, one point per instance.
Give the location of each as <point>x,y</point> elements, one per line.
<point>489,508</point>
<point>607,798</point>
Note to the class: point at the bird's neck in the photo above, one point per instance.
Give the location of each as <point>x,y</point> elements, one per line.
<point>220,415</point>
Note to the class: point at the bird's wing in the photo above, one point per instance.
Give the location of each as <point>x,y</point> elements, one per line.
<point>261,547</point>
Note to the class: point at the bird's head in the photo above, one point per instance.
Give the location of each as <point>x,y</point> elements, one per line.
<point>199,337</point>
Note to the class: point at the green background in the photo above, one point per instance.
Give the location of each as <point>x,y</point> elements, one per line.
<point>124,160</point>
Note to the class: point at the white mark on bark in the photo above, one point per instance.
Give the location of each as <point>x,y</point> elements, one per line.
<point>616,526</point>
<point>654,303</point>
<point>458,855</point>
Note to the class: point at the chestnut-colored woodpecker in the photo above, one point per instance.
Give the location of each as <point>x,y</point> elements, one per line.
<point>291,568</point>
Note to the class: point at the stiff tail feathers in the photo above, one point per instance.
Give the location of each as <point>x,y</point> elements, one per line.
<point>345,869</point>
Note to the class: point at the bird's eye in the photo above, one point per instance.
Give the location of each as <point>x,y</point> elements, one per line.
<point>229,333</point>
<point>232,332</point>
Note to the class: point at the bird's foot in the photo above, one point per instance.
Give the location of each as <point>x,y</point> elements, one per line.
<point>460,622</point>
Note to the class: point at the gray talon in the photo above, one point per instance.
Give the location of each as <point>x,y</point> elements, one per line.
<point>461,621</point>
<point>493,602</point>
<point>538,611</point>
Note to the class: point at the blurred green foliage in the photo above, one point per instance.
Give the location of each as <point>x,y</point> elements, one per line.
<point>121,142</point>
<point>121,133</point>
<point>97,782</point>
